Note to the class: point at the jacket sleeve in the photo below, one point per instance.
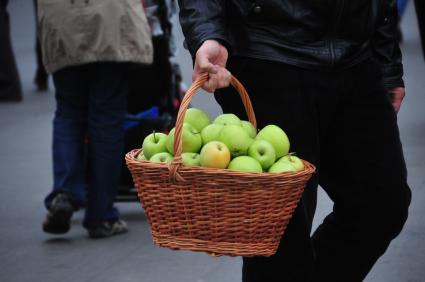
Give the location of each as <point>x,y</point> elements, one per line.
<point>386,47</point>
<point>202,20</point>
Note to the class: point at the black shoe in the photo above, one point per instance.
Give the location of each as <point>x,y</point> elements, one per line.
<point>107,228</point>
<point>58,220</point>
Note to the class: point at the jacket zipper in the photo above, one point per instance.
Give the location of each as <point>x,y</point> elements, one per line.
<point>336,25</point>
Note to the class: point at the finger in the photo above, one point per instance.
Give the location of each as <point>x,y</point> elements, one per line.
<point>198,70</point>
<point>224,78</point>
<point>195,74</point>
<point>397,96</point>
<point>205,65</point>
<point>400,95</point>
<point>212,83</point>
<point>208,87</point>
<point>396,102</point>
<point>396,107</point>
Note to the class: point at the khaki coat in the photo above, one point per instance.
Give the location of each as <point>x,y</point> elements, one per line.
<point>75,32</point>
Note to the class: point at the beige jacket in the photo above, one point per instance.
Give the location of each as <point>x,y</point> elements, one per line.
<point>75,32</point>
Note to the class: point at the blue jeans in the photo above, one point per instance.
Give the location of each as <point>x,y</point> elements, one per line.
<point>88,136</point>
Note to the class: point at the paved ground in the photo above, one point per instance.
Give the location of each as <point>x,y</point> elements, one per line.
<point>26,254</point>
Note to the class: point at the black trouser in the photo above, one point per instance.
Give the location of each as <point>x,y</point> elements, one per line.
<point>344,123</point>
<point>10,85</point>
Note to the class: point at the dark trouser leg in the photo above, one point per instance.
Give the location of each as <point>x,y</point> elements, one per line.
<point>107,107</point>
<point>69,129</point>
<point>10,85</point>
<point>363,171</point>
<point>341,132</point>
<point>285,96</point>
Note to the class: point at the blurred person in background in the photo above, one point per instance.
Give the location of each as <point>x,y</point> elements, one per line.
<point>89,46</point>
<point>330,74</point>
<point>401,7</point>
<point>10,84</point>
<point>420,13</point>
<point>41,75</point>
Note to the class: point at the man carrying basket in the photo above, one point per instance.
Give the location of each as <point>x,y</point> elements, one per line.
<point>330,74</point>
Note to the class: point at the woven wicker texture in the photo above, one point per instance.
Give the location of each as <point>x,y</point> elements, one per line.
<point>221,212</point>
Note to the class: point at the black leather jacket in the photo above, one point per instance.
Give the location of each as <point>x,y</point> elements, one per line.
<point>325,35</point>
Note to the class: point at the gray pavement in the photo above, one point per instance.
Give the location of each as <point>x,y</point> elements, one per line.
<point>26,254</point>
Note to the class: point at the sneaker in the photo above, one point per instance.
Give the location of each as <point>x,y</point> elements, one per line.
<point>58,219</point>
<point>108,228</point>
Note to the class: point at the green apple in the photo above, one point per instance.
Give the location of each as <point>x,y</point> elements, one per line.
<point>196,118</point>
<point>141,157</point>
<point>245,164</point>
<point>282,167</point>
<point>236,139</point>
<point>249,128</point>
<point>192,141</point>
<point>277,137</point>
<point>163,157</point>
<point>191,159</point>
<point>263,152</point>
<point>228,119</point>
<point>210,133</point>
<point>215,154</point>
<point>296,162</point>
<point>154,143</point>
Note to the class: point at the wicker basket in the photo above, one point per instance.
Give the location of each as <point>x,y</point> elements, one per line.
<point>218,211</point>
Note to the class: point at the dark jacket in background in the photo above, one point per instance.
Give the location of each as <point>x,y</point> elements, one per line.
<point>420,12</point>
<point>10,85</point>
<point>314,34</point>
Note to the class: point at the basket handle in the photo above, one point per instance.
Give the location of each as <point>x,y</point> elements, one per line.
<point>178,144</point>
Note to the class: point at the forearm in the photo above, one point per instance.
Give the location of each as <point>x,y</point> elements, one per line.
<point>386,47</point>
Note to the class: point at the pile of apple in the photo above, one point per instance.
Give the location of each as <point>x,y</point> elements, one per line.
<point>225,143</point>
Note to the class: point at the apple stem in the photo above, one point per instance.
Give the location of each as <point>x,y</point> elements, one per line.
<point>154,136</point>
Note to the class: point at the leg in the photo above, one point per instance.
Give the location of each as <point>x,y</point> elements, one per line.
<point>363,171</point>
<point>10,84</point>
<point>69,129</point>
<point>285,96</point>
<point>107,108</point>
